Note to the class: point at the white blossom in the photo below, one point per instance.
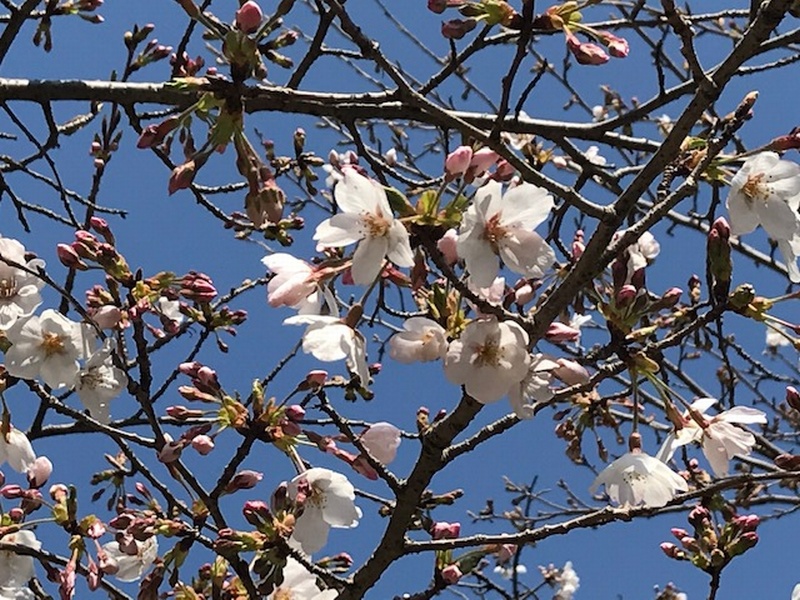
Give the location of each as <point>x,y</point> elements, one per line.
<point>568,582</point>
<point>300,584</point>
<point>506,572</point>
<point>19,290</point>
<point>46,346</point>
<point>133,566</point>
<point>329,501</point>
<point>170,309</point>
<point>99,382</point>
<point>796,592</point>
<point>382,440</point>
<point>422,340</point>
<point>500,225</point>
<point>776,337</point>
<point>17,450</point>
<point>637,478</point>
<point>766,192</point>
<point>17,569</point>
<point>720,438</point>
<point>329,338</point>
<point>366,218</point>
<point>295,284</point>
<point>488,359</point>
<point>535,387</point>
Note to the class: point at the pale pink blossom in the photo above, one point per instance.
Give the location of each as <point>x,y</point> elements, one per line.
<point>16,570</point>
<point>719,436</point>
<point>46,346</point>
<point>488,359</point>
<point>422,340</point>
<point>329,501</point>
<point>498,225</point>
<point>766,192</point>
<point>458,161</point>
<point>19,289</point>
<point>249,16</point>
<point>637,478</point>
<point>39,472</point>
<point>17,450</point>
<point>100,381</point>
<point>300,584</point>
<point>568,583</point>
<point>132,565</point>
<point>366,218</point>
<point>382,440</point>
<point>328,338</point>
<point>571,372</point>
<point>535,387</point>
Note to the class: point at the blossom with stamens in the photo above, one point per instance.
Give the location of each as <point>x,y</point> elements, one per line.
<point>300,584</point>
<point>534,387</point>
<point>366,218</point>
<point>328,500</point>
<point>19,289</point>
<point>636,478</point>
<point>134,561</point>
<point>329,338</point>
<point>766,192</point>
<point>100,381</point>
<point>46,346</point>
<point>720,438</point>
<point>488,359</point>
<point>16,570</point>
<point>422,340</point>
<point>500,224</point>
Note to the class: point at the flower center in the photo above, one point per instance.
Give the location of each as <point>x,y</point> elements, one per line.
<point>487,354</point>
<point>317,498</point>
<point>631,477</point>
<point>754,188</point>
<point>493,231</point>
<point>377,225</point>
<point>8,287</point>
<point>52,344</point>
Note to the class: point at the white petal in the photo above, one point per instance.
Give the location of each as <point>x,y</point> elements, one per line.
<point>743,218</point>
<point>368,259</point>
<point>526,206</point>
<point>340,230</point>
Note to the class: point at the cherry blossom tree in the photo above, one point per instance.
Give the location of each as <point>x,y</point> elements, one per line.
<point>580,207</point>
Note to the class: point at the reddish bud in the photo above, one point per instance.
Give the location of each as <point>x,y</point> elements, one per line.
<point>457,162</point>
<point>617,46</point>
<point>586,53</point>
<point>70,258</point>
<point>249,16</point>
<point>182,177</point>
<point>456,29</point>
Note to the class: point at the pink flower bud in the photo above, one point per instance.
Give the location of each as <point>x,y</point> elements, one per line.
<point>16,514</point>
<point>437,6</point>
<point>793,397</point>
<point>12,492</point>
<point>505,171</point>
<point>617,46</point>
<point>203,444</point>
<point>445,531</point>
<point>182,177</point>
<point>559,332</point>
<point>481,161</point>
<point>586,53</point>
<point>524,294</point>
<point>451,574</point>
<point>39,472</point>
<point>295,412</point>
<point>316,379</point>
<point>58,492</point>
<point>382,441</point>
<point>679,533</point>
<point>447,245</point>
<point>571,372</point>
<point>457,162</point>
<point>107,317</point>
<point>456,29</point>
<point>249,16</point>
<point>70,258</point>
<point>244,480</point>
<point>170,452</point>
<point>626,295</point>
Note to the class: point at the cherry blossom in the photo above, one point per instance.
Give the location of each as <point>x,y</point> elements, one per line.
<point>132,566</point>
<point>488,359</point>
<point>99,382</point>
<point>766,192</point>
<point>423,340</point>
<point>796,592</point>
<point>720,438</point>
<point>535,387</point>
<point>300,584</point>
<point>328,501</point>
<point>328,338</point>
<point>568,582</point>
<point>366,218</point>
<point>295,284</point>
<point>500,225</point>
<point>17,569</point>
<point>46,346</point>
<point>19,289</point>
<point>17,450</point>
<point>382,440</point>
<point>636,478</point>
